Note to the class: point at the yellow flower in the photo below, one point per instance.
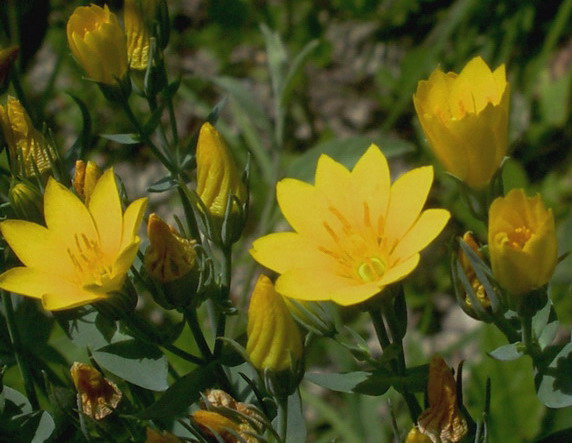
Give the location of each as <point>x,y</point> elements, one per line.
<point>27,147</point>
<point>217,175</point>
<point>85,178</point>
<point>98,43</point>
<point>82,255</point>
<point>355,234</point>
<point>137,17</point>
<point>522,242</point>
<point>465,119</point>
<point>273,336</point>
<point>169,256</point>
<point>154,436</point>
<point>442,421</point>
<point>98,396</point>
<point>416,436</point>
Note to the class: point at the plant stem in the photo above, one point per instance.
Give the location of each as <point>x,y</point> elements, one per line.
<point>282,417</point>
<point>225,287</point>
<point>193,322</point>
<point>527,337</point>
<point>18,351</point>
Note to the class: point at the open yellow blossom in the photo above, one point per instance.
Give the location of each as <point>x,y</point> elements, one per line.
<point>522,242</point>
<point>98,396</point>
<point>137,17</point>
<point>98,43</point>
<point>355,232</point>
<point>273,336</point>
<point>82,255</point>
<point>465,119</point>
<point>27,147</point>
<point>442,421</point>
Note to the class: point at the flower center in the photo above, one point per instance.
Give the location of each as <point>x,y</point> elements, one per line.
<point>518,238</point>
<point>89,261</point>
<point>371,270</point>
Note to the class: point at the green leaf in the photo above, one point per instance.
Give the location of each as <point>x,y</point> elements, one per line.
<point>123,139</point>
<point>36,427</point>
<point>277,58</point>
<point>554,382</point>
<point>296,431</point>
<point>338,382</point>
<point>507,352</point>
<point>346,151</point>
<point>295,68</point>
<point>181,394</point>
<point>163,185</point>
<point>136,362</point>
<point>85,334</point>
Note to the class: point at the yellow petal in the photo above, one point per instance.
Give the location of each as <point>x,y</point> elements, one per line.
<point>303,207</point>
<point>333,182</point>
<point>35,283</point>
<point>132,220</point>
<point>311,283</point>
<point>426,228</point>
<point>408,195</point>
<point>35,247</point>
<point>105,207</point>
<point>295,252</point>
<point>56,301</point>
<point>350,295</point>
<point>66,215</point>
<point>399,271</point>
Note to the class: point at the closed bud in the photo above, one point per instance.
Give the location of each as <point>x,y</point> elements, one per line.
<point>274,340</point>
<point>465,119</point>
<point>154,436</point>
<point>85,177</point>
<point>27,147</point>
<point>477,286</point>
<point>218,180</point>
<point>138,17</point>
<point>98,396</point>
<point>98,43</point>
<point>7,58</point>
<point>442,421</point>
<point>522,242</point>
<point>312,315</point>
<point>27,202</point>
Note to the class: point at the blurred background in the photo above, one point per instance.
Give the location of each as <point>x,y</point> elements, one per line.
<point>357,66</point>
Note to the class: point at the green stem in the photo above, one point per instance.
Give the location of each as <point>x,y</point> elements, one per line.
<point>379,327</point>
<point>18,351</point>
<point>145,138</point>
<point>506,328</point>
<point>183,354</point>
<point>193,322</point>
<point>530,344</point>
<point>221,322</point>
<point>282,417</point>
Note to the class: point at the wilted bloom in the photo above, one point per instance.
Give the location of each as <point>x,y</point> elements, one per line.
<point>7,57</point>
<point>214,424</point>
<point>27,147</point>
<point>416,436</point>
<point>98,396</point>
<point>217,175</point>
<point>273,337</point>
<point>85,177</point>
<point>442,421</point>
<point>138,16</point>
<point>465,119</point>
<point>477,286</point>
<point>82,255</point>
<point>169,256</point>
<point>154,436</point>
<point>98,43</point>
<point>355,234</point>
<point>522,242</point>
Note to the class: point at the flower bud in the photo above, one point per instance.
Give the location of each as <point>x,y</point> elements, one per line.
<point>154,436</point>
<point>477,286</point>
<point>98,43</point>
<point>84,179</point>
<point>465,119</point>
<point>442,421</point>
<point>138,16</point>
<point>27,147</point>
<point>522,242</point>
<point>169,256</point>
<point>273,337</point>
<point>416,436</point>
<point>213,424</point>
<point>27,202</point>
<point>218,179</point>
<point>98,396</point>
<point>7,58</point>
<point>312,315</point>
